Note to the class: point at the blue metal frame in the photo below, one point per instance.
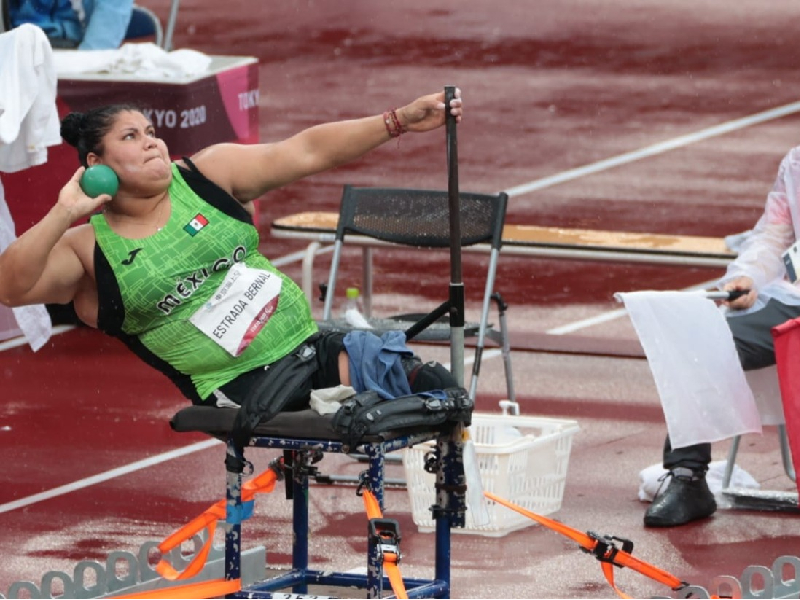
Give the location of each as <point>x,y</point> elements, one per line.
<point>450,472</point>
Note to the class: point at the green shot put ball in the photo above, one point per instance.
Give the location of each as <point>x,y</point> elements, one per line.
<point>99,179</point>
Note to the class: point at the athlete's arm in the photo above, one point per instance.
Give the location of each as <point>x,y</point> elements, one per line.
<point>43,265</point>
<point>248,171</point>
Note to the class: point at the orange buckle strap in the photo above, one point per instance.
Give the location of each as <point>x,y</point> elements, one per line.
<point>263,483</point>
<point>603,548</point>
<point>607,553</point>
<point>215,588</point>
<point>385,533</point>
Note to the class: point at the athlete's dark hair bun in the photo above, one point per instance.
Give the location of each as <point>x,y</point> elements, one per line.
<point>71,127</point>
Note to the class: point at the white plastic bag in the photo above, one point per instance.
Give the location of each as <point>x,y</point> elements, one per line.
<point>327,401</point>
<point>650,481</point>
<point>476,501</point>
<point>693,359</point>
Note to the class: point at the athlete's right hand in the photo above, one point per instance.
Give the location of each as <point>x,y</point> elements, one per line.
<point>73,199</point>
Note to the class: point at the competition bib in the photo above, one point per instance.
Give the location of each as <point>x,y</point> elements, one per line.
<point>791,259</point>
<point>240,307</point>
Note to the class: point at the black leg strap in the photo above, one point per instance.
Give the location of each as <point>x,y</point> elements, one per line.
<point>278,386</point>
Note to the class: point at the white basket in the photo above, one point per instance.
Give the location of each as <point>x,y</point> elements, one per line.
<point>521,459</point>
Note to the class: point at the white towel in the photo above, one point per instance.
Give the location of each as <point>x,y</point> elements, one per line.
<point>33,321</point>
<point>327,401</point>
<point>140,60</point>
<point>28,116</point>
<point>29,124</point>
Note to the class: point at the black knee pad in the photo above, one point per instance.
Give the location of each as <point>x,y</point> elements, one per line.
<point>410,363</point>
<point>425,377</point>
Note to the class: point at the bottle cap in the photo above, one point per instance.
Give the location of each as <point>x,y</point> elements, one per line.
<point>352,293</point>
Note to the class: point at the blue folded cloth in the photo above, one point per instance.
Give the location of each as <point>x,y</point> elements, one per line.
<point>375,362</point>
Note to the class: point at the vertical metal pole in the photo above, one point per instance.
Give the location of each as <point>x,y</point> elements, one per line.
<point>443,553</point>
<point>452,457</point>
<point>366,296</point>
<point>330,293</point>
<point>487,302</point>
<point>374,580</point>
<point>376,456</point>
<point>726,478</point>
<point>377,463</point>
<point>299,520</point>
<point>786,453</point>
<point>456,283</point>
<point>233,526</point>
<point>506,349</point>
<point>173,18</point>
<point>450,504</point>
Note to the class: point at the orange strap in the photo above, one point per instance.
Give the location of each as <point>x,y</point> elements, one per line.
<point>608,554</point>
<point>393,573</point>
<point>215,588</point>
<point>391,560</point>
<point>263,483</point>
<point>372,506</point>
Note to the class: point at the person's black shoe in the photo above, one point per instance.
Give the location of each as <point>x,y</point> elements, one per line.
<point>687,498</point>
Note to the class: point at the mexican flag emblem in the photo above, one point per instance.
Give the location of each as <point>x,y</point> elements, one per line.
<point>195,225</point>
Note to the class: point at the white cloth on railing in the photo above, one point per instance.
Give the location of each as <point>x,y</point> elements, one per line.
<point>693,359</point>
<point>28,117</point>
<point>29,124</point>
<point>33,321</point>
<point>142,60</point>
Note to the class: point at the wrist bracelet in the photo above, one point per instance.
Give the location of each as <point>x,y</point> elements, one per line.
<point>392,123</point>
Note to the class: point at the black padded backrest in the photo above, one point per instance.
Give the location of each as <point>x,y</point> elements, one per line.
<point>420,218</point>
<point>5,17</point>
<point>144,23</point>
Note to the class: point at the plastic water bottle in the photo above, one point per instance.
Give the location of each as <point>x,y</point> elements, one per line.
<point>353,310</point>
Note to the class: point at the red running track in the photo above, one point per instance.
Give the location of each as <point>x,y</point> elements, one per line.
<point>549,86</point>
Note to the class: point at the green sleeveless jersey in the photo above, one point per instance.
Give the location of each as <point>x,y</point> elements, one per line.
<point>164,279</point>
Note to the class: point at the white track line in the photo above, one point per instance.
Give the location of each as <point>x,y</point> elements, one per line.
<point>539,184</point>
<point>660,148</point>
<point>584,323</point>
<point>105,476</point>
<point>468,360</point>
<point>294,257</point>
<point>289,258</point>
<point>21,340</point>
<point>613,314</point>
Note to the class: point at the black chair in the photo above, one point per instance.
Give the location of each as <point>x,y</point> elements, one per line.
<point>5,18</point>
<point>145,23</point>
<point>421,219</point>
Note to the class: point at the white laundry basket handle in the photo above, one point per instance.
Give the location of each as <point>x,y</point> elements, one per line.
<point>506,405</point>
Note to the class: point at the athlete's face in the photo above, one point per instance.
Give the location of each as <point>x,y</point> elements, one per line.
<point>133,151</point>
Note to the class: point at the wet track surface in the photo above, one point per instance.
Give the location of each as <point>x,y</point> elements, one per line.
<point>549,86</point>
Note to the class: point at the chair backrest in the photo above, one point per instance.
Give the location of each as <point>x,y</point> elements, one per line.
<point>420,218</point>
<point>5,17</point>
<point>145,23</point>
